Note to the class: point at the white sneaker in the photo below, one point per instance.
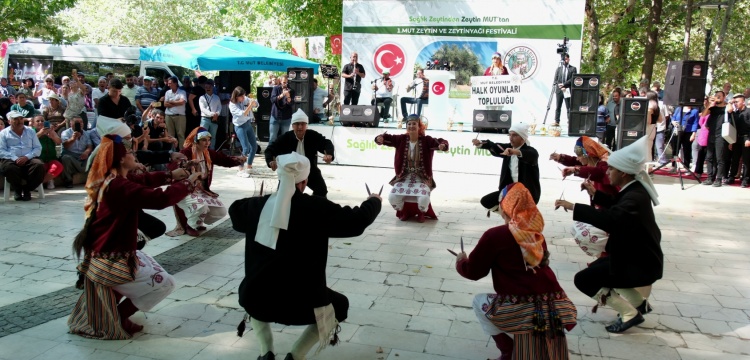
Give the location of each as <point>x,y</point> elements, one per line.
<point>243,174</point>
<point>51,184</point>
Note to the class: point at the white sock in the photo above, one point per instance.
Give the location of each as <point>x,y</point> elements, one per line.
<point>264,335</point>
<point>306,341</point>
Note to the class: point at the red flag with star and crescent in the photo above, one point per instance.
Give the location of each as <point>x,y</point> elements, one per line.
<point>336,44</point>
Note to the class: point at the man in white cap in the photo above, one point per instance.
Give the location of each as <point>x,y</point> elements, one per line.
<point>286,251</point>
<point>19,157</point>
<point>634,252</point>
<point>520,164</point>
<point>307,143</point>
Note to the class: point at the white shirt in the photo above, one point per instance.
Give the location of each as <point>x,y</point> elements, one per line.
<point>130,93</point>
<point>238,112</point>
<point>382,91</point>
<point>514,166</point>
<point>97,94</point>
<point>318,98</point>
<point>210,105</point>
<point>175,96</point>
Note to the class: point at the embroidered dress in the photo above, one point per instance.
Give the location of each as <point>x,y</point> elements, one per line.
<point>410,187</point>
<point>201,206</point>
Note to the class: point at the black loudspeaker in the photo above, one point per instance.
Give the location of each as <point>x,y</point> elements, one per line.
<point>360,115</point>
<point>584,101</point>
<point>633,114</point>
<point>228,80</point>
<point>686,83</point>
<point>263,114</point>
<point>494,121</point>
<point>301,81</point>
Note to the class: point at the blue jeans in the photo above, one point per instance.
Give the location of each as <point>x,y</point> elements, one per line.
<point>278,127</point>
<point>410,100</point>
<point>661,145</point>
<point>212,128</point>
<point>246,135</point>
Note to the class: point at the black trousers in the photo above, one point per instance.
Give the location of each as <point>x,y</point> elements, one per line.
<point>609,137</point>
<point>32,171</point>
<point>351,97</point>
<point>150,225</point>
<point>316,183</point>
<point>591,279</point>
<point>560,99</point>
<point>732,158</point>
<point>700,157</point>
<point>715,159</point>
<point>745,161</point>
<point>683,143</point>
<point>386,101</point>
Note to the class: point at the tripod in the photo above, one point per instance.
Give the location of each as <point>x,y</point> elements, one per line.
<point>677,160</point>
<point>552,93</point>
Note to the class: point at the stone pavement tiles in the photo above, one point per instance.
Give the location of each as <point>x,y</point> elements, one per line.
<point>407,300</point>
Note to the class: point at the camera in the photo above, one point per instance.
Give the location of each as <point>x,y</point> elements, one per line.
<point>77,127</point>
<point>47,125</point>
<point>562,49</point>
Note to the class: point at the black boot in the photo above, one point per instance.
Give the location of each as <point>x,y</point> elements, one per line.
<point>268,356</point>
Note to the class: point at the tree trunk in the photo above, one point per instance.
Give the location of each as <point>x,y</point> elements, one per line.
<point>652,39</point>
<point>716,54</point>
<point>688,25</point>
<point>593,35</point>
<point>620,47</point>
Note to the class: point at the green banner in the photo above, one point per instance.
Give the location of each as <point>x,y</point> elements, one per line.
<point>552,32</point>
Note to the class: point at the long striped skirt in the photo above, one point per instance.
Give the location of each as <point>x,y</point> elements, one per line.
<point>536,322</point>
<point>95,314</point>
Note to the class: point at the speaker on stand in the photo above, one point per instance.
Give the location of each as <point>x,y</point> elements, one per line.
<point>633,117</point>
<point>301,81</point>
<point>686,83</point>
<point>584,101</point>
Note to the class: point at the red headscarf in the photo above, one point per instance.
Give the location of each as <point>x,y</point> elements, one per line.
<point>526,222</point>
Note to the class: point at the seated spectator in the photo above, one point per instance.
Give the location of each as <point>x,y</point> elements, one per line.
<point>5,105</point>
<point>54,113</point>
<point>76,150</point>
<point>6,89</point>
<point>159,137</point>
<point>45,92</point>
<point>94,136</point>
<point>49,140</point>
<point>19,157</point>
<point>27,88</point>
<point>24,107</point>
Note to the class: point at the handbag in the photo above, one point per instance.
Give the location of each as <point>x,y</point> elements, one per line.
<point>728,131</point>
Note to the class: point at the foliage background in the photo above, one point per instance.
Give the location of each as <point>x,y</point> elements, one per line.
<point>624,40</point>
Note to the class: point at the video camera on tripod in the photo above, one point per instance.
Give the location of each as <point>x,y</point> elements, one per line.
<point>562,49</point>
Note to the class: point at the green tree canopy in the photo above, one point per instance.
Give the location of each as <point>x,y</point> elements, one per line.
<point>33,19</point>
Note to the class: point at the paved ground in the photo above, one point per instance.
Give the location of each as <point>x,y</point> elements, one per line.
<point>407,300</point>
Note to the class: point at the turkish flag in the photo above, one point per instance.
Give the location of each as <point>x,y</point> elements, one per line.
<point>336,44</point>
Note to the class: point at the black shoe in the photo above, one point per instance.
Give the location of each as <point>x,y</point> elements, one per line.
<point>744,184</point>
<point>717,183</point>
<point>68,184</point>
<point>620,326</point>
<point>289,356</point>
<point>644,308</point>
<point>18,196</point>
<point>268,356</point>
<point>26,195</point>
<point>729,181</point>
<point>708,182</point>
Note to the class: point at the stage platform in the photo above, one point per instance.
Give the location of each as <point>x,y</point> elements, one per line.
<point>356,146</point>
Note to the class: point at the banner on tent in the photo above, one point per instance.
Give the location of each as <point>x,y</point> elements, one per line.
<point>458,49</point>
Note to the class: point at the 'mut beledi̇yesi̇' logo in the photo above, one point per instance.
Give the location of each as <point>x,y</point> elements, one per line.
<point>389,57</point>
<point>522,61</point>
